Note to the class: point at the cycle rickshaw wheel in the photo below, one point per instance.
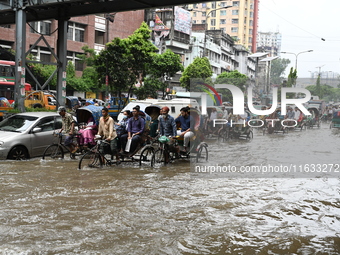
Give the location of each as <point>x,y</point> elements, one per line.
<point>202,154</point>
<point>147,156</point>
<point>90,160</point>
<point>54,151</point>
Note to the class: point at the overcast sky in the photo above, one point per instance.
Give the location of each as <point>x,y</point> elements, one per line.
<point>302,24</point>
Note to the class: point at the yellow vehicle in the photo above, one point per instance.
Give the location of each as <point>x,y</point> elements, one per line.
<point>4,107</point>
<point>40,99</point>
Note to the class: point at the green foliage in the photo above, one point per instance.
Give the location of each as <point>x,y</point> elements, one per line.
<point>149,88</point>
<point>199,69</point>
<point>235,78</point>
<point>126,61</point>
<point>277,70</point>
<point>163,66</point>
<point>325,92</point>
<point>88,57</point>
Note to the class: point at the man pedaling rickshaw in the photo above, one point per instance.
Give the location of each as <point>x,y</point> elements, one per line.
<point>167,127</point>
<point>108,132</point>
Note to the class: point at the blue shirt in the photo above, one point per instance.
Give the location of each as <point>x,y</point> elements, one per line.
<point>167,126</point>
<point>136,125</point>
<point>186,123</point>
<point>122,128</point>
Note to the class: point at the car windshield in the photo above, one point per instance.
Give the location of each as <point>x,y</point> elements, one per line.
<point>17,123</point>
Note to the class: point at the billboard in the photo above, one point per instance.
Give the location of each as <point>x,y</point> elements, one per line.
<point>182,20</point>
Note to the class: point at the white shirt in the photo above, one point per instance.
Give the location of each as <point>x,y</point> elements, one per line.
<point>213,115</point>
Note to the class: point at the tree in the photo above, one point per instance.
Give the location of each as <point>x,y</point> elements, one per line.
<point>199,70</point>
<point>125,61</point>
<point>164,66</point>
<point>235,78</point>
<point>277,70</point>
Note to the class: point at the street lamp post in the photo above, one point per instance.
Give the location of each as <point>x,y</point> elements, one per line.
<point>206,27</point>
<point>296,58</point>
<point>296,55</point>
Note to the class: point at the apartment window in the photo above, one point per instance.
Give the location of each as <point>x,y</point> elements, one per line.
<point>194,22</point>
<point>194,14</point>
<point>250,23</point>
<point>213,14</point>
<point>6,26</point>
<point>203,21</point>
<point>99,37</point>
<point>195,6</point>
<point>41,27</point>
<point>213,5</point>
<point>251,15</point>
<point>213,22</point>
<point>234,12</point>
<point>223,4</point>
<point>234,29</point>
<point>223,12</point>
<point>78,65</point>
<point>204,5</point>
<point>223,21</point>
<point>42,54</point>
<point>236,3</point>
<point>223,29</point>
<point>76,32</point>
<point>234,21</point>
<point>204,14</point>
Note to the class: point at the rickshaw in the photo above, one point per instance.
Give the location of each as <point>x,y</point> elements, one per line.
<point>209,129</point>
<point>57,150</point>
<point>335,122</point>
<point>144,153</point>
<point>198,149</point>
<point>236,128</point>
<point>72,102</point>
<point>313,120</point>
<point>153,111</point>
<point>274,125</point>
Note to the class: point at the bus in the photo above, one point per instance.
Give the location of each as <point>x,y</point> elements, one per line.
<point>7,70</point>
<point>7,90</point>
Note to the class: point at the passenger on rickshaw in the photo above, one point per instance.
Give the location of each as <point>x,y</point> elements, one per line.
<point>168,128</point>
<point>209,123</point>
<point>121,129</point>
<point>87,134</point>
<point>187,125</point>
<point>108,132</point>
<point>135,128</point>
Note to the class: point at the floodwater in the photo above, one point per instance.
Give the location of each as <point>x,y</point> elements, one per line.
<point>52,208</point>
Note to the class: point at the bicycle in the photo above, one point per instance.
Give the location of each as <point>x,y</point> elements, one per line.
<point>57,150</point>
<point>94,158</point>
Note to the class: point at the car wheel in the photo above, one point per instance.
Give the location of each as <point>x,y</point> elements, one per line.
<point>18,153</point>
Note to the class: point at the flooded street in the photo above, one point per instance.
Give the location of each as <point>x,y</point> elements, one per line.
<point>50,207</point>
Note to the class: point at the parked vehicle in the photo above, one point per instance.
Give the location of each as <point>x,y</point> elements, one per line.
<point>40,99</point>
<point>26,135</point>
<point>174,105</point>
<point>4,107</point>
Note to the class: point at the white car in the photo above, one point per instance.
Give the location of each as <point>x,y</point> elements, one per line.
<point>26,135</point>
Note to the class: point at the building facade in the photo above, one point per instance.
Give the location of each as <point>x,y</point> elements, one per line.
<point>92,31</point>
<point>269,42</point>
<point>236,18</point>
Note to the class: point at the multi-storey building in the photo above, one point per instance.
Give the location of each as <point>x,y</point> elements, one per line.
<point>91,30</point>
<point>269,42</point>
<point>236,18</point>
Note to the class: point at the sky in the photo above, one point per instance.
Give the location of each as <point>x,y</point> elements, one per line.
<point>303,24</point>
